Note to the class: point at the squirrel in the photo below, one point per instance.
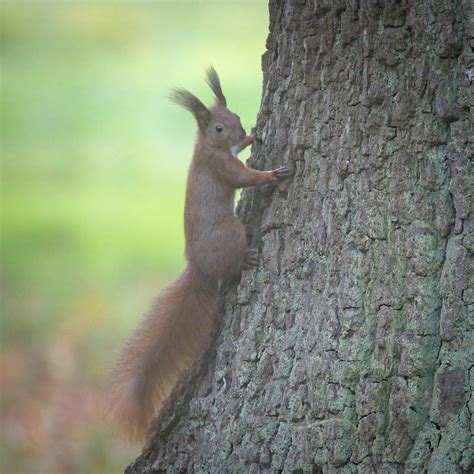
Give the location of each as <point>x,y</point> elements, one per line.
<point>178,328</point>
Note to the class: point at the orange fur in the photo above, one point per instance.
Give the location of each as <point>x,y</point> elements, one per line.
<point>178,328</point>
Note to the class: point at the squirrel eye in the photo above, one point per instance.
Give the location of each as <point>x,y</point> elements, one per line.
<point>219,127</point>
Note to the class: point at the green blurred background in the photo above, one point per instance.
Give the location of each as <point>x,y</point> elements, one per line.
<point>94,160</point>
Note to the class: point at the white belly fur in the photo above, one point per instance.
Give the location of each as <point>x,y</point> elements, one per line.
<point>234,150</point>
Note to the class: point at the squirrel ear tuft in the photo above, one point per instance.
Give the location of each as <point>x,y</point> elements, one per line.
<point>214,83</point>
<point>190,102</point>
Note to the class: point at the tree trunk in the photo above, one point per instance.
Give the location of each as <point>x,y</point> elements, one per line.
<point>350,348</point>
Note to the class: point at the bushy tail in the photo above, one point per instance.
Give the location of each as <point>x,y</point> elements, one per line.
<point>174,333</point>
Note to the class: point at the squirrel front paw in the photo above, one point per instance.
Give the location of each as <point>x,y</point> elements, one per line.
<point>250,138</point>
<point>281,173</point>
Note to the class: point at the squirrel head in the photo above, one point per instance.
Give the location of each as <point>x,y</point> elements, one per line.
<point>220,127</point>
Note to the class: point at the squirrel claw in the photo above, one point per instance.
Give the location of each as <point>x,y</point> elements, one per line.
<point>251,259</point>
<point>281,173</point>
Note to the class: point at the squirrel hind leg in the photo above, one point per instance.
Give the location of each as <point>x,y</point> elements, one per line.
<point>222,252</point>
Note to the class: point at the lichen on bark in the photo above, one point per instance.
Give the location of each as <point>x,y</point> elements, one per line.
<point>350,348</point>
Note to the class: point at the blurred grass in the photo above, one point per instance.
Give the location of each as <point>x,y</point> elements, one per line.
<point>93,166</point>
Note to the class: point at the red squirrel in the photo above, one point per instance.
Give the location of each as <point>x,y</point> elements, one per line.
<point>177,329</point>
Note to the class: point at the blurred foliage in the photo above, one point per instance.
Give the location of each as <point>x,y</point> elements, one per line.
<point>93,166</point>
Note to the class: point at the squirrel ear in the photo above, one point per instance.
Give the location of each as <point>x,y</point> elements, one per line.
<point>190,102</point>
<point>214,83</point>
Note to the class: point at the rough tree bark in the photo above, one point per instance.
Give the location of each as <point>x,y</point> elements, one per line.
<point>351,347</point>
